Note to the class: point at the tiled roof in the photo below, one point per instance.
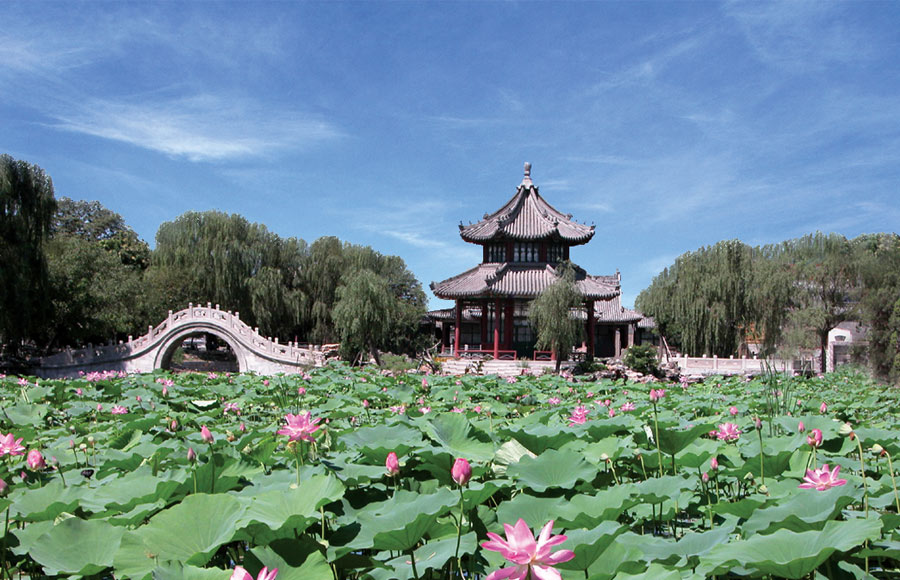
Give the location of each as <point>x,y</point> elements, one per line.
<point>519,280</point>
<point>527,217</point>
<point>613,311</point>
<point>468,314</point>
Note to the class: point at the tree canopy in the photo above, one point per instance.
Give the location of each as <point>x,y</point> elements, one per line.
<point>26,211</point>
<point>551,315</point>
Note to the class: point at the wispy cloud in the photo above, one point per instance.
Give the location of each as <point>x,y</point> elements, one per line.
<point>202,128</point>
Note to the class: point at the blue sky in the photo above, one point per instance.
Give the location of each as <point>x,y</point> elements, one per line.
<point>670,125</point>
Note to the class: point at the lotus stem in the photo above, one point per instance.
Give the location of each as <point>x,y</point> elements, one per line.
<point>893,480</point>
<point>212,465</point>
<point>412,560</point>
<point>658,450</point>
<point>459,531</point>
<point>762,469</point>
<point>862,467</point>
<point>297,463</point>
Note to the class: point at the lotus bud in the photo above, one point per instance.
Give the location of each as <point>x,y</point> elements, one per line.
<point>301,391</point>
<point>714,464</point>
<point>82,447</point>
<point>392,464</point>
<point>35,460</point>
<point>206,435</point>
<point>764,490</point>
<point>71,444</point>
<point>4,487</point>
<point>878,450</point>
<point>733,410</point>
<point>801,427</point>
<point>757,423</point>
<point>705,477</point>
<point>461,472</point>
<point>242,427</point>
<point>191,455</point>
<point>846,430</point>
<point>604,457</point>
<point>823,408</point>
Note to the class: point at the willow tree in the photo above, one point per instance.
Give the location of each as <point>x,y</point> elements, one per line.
<point>825,286</point>
<point>364,313</point>
<point>879,301</point>
<point>26,212</point>
<point>227,260</point>
<point>704,301</point>
<point>552,315</point>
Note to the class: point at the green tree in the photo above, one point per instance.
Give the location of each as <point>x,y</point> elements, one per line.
<point>704,302</point>
<point>224,259</point>
<point>551,315</point>
<point>364,313</point>
<point>26,212</point>
<point>879,303</point>
<point>91,221</point>
<point>322,272</point>
<point>826,286</point>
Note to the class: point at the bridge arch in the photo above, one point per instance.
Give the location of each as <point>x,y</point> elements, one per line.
<point>253,352</point>
<point>172,340</point>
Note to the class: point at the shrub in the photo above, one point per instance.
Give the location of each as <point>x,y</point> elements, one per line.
<point>642,358</point>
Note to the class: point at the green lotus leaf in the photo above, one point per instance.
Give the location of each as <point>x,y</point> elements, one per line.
<point>539,437</point>
<point>190,531</point>
<point>377,441</point>
<point>697,454</point>
<point>476,492</point>
<point>742,508</point>
<point>27,413</point>
<point>400,522</point>
<point>552,468</point>
<point>618,558</point>
<point>125,440</point>
<point>673,439</point>
<point>666,488</point>
<point>588,545</point>
<point>430,556</point>
<point>28,535</point>
<point>453,432</point>
<point>296,559</point>
<point>76,546</point>
<point>659,572</point>
<point>44,503</point>
<point>178,571</point>
<point>588,510</point>
<point>508,453</point>
<point>536,511</point>
<point>297,506</point>
<point>803,511</point>
<point>790,554</point>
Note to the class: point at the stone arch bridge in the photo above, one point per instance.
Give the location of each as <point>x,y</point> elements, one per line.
<point>154,350</point>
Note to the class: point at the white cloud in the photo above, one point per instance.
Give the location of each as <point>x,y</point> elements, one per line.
<point>201,128</point>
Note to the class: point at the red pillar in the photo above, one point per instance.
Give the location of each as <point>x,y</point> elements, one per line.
<point>497,329</point>
<point>456,330</point>
<point>484,323</point>
<point>508,324</point>
<point>590,329</point>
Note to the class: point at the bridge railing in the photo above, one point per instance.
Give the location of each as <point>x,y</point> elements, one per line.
<point>265,345</point>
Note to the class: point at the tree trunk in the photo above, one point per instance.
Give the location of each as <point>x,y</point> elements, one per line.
<point>823,351</point>
<point>376,355</point>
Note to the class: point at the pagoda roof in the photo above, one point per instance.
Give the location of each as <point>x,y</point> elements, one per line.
<point>520,280</point>
<point>527,217</point>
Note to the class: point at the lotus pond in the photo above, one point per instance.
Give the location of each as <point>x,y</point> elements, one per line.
<point>191,475</point>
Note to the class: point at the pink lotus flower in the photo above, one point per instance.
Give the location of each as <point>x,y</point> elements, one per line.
<point>365,403</point>
<point>233,407</point>
<point>713,464</point>
<point>657,394</point>
<point>532,558</point>
<point>35,460</point>
<point>424,383</point>
<point>392,464</point>
<point>728,432</point>
<point>242,427</point>
<point>456,410</point>
<point>264,574</point>
<point>425,410</point>
<point>191,455</point>
<point>461,471</point>
<point>119,410</point>
<point>554,401</point>
<point>79,392</point>
<point>300,426</point>
<point>733,410</point>
<point>9,445</point>
<point>206,435</point>
<point>510,380</point>
<point>301,391</point>
<point>628,406</point>
<point>579,416</point>
<point>814,438</point>
<point>801,427</point>
<point>822,479</point>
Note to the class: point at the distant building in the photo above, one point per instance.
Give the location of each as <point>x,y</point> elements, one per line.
<point>523,242</point>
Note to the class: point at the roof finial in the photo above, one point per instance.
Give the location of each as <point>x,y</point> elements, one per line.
<point>527,179</point>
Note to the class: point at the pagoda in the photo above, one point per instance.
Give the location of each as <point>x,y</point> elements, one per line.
<point>523,243</point>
